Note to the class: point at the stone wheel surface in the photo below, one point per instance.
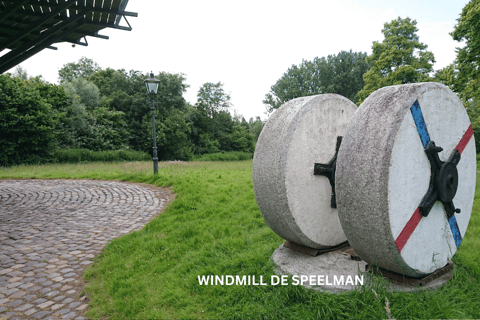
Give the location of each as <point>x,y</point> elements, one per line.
<point>295,203</point>
<point>399,194</point>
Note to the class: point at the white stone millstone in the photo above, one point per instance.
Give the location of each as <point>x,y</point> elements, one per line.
<point>383,173</point>
<point>295,203</point>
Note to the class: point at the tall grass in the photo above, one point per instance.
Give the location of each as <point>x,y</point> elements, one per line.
<point>215,227</point>
<point>85,155</point>
<point>224,156</point>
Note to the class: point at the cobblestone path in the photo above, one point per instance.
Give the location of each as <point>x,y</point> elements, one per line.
<point>50,231</point>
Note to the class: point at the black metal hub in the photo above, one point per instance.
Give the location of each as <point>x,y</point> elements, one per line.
<point>447,182</point>
<point>328,170</point>
<point>443,181</point>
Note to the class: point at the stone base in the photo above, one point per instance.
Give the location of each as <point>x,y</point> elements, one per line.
<point>337,271</point>
<point>311,251</point>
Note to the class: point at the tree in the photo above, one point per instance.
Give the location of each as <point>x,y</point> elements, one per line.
<point>172,136</point>
<point>212,98</point>
<point>255,127</point>
<point>400,58</point>
<point>83,68</point>
<point>341,74</point>
<point>467,63</point>
<point>27,121</point>
<point>125,91</point>
<point>86,90</point>
<point>463,75</point>
<point>20,72</point>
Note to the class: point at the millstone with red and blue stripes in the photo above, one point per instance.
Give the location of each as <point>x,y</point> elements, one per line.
<point>405,178</point>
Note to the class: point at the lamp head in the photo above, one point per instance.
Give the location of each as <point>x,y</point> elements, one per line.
<point>152,84</point>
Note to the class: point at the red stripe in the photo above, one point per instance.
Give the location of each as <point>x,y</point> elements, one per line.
<point>408,230</point>
<point>465,139</point>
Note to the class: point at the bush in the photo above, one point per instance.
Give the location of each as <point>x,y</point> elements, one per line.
<point>85,155</point>
<point>224,156</point>
<point>27,121</point>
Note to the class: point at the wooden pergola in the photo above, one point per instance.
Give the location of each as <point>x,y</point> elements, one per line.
<point>29,26</point>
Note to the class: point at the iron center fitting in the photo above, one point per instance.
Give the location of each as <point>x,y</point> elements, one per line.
<point>447,182</point>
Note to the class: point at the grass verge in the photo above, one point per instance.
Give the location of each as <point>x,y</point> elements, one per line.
<point>214,227</point>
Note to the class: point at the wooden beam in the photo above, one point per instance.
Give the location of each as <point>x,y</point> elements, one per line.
<point>12,8</point>
<point>24,32</point>
<point>27,54</point>
<point>44,36</point>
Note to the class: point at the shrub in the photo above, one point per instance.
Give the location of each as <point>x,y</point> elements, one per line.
<point>85,155</point>
<point>27,121</point>
<point>224,156</point>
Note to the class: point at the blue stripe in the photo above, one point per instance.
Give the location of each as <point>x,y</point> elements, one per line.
<point>456,233</point>
<point>420,123</point>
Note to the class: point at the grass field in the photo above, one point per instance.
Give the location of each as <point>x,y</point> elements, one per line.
<point>215,227</point>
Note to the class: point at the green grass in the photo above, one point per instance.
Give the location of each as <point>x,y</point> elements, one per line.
<point>214,227</point>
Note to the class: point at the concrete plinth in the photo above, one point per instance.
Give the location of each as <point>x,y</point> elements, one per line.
<point>328,270</point>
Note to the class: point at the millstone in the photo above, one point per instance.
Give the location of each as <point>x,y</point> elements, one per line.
<point>405,178</point>
<point>295,203</point>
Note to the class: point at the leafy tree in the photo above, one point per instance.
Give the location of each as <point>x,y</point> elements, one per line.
<point>400,58</point>
<point>125,91</point>
<point>466,78</point>
<point>341,74</point>
<point>20,72</point>
<point>231,135</point>
<point>172,136</point>
<point>27,121</point>
<point>201,135</point>
<point>86,90</point>
<point>255,127</point>
<point>212,98</point>
<point>83,68</point>
<point>463,75</point>
<point>241,140</point>
<point>85,124</point>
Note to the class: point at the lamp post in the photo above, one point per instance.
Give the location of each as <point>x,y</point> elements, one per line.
<point>152,86</point>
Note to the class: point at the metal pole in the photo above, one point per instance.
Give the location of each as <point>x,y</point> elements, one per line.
<point>155,158</point>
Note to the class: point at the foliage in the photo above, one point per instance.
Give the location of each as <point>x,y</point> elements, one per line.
<point>399,59</point>
<point>468,30</point>
<point>224,156</point>
<point>87,91</point>
<point>126,92</point>
<point>230,133</point>
<point>20,72</point>
<point>89,126</point>
<point>106,109</point>
<point>172,133</point>
<point>82,69</point>
<point>463,75</point>
<point>341,74</point>
<point>85,155</point>
<point>212,98</point>
<point>255,127</point>
<point>27,121</point>
<point>214,227</point>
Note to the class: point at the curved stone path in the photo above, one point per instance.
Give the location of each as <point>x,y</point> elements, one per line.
<point>50,231</point>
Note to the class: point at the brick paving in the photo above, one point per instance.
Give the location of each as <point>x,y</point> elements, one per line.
<point>50,231</point>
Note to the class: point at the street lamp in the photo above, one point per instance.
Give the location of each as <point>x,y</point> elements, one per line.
<point>152,86</point>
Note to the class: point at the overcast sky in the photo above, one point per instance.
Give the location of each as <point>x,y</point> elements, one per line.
<point>248,45</point>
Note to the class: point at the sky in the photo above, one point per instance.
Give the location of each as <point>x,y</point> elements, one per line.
<point>248,45</point>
